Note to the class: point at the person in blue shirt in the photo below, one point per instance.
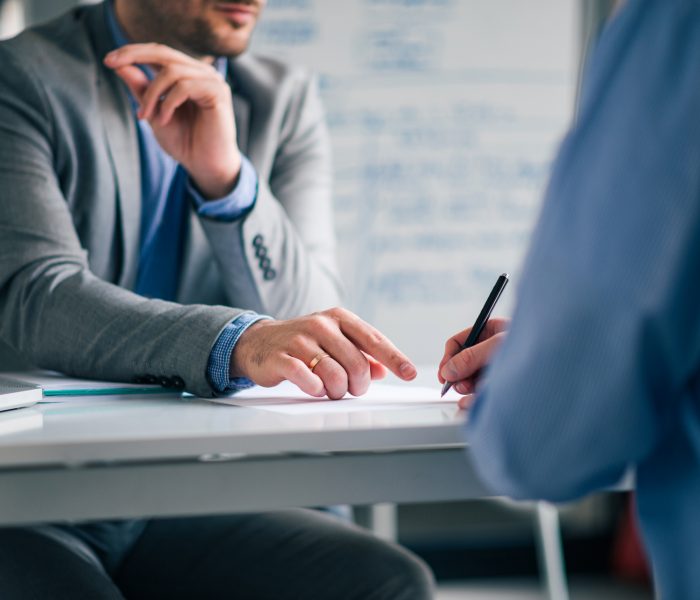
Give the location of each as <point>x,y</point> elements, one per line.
<point>600,368</point>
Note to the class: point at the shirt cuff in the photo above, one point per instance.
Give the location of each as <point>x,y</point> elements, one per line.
<point>219,365</point>
<point>233,206</point>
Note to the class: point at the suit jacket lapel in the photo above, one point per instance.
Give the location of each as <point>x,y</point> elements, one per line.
<point>119,129</point>
<point>241,109</point>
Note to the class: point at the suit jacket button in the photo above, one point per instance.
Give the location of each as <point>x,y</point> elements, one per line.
<point>261,252</point>
<point>150,379</point>
<point>265,264</point>
<point>139,379</point>
<point>258,241</point>
<point>269,274</point>
<point>178,382</point>
<point>165,382</point>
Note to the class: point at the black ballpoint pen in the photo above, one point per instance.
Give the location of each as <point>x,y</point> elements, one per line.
<point>481,320</point>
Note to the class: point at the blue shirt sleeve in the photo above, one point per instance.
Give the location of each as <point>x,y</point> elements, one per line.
<point>218,367</point>
<point>606,334</point>
<point>236,204</point>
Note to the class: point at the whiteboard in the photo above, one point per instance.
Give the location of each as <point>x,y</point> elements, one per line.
<point>445,116</point>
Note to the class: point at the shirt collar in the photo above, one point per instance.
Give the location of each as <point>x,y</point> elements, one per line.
<point>118,36</point>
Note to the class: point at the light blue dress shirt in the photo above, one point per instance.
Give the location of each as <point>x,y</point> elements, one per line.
<point>167,194</point>
<point>601,368</point>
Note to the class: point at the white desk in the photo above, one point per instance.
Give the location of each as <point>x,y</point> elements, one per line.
<point>146,456</point>
<point>140,456</point>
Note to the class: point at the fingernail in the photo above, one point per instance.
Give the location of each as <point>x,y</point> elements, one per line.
<point>408,370</point>
<point>449,372</point>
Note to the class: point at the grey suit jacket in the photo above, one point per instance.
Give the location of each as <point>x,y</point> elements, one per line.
<point>70,214</point>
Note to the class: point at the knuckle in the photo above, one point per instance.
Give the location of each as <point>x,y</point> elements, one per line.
<point>183,84</point>
<point>293,369</point>
<point>397,359</point>
<point>358,369</point>
<point>358,388</point>
<point>465,358</point>
<point>338,377</point>
<point>169,72</point>
<point>337,380</point>
<point>338,312</point>
<point>451,348</point>
<point>316,319</point>
<point>297,341</point>
<point>375,338</point>
<point>321,324</point>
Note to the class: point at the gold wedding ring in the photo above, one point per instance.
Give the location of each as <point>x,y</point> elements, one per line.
<point>316,359</point>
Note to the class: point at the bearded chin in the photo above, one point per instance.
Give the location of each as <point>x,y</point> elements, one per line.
<point>200,40</point>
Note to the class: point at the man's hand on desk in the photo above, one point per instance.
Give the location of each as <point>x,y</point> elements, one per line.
<point>190,109</point>
<point>464,367</point>
<point>352,353</point>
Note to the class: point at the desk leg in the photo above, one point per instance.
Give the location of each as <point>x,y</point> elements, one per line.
<point>551,557</point>
<point>383,521</point>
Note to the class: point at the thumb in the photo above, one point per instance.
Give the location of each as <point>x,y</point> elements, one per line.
<point>135,79</point>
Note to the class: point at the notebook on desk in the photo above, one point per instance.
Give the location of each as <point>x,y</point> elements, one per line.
<point>18,394</point>
<point>57,387</point>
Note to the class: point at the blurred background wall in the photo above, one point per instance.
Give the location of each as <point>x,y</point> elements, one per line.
<point>444,116</point>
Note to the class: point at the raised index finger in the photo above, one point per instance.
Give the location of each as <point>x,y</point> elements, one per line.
<point>374,343</point>
<point>147,54</point>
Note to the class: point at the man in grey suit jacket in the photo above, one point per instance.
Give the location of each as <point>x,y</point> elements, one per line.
<point>106,139</point>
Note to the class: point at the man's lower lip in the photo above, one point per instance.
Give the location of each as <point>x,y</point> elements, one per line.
<point>236,14</point>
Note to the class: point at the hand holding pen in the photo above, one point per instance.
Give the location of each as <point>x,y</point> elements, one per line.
<point>467,352</point>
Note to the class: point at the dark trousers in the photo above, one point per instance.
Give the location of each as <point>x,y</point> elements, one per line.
<point>288,554</point>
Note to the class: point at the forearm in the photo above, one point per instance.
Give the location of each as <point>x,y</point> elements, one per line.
<point>64,318</point>
<point>564,409</point>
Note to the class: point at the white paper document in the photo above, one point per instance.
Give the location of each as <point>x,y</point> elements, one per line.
<point>286,398</point>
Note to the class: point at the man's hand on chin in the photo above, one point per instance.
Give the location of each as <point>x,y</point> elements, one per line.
<point>189,106</point>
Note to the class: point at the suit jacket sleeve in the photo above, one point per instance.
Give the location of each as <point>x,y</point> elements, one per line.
<point>53,310</point>
<point>604,348</point>
<point>280,258</point>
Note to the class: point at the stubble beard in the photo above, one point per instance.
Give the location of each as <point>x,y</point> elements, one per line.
<point>194,36</point>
